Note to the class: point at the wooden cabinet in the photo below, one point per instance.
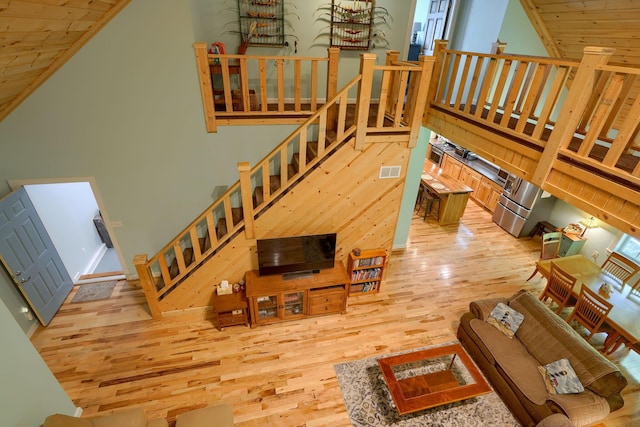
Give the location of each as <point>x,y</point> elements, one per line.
<point>366,271</point>
<point>471,178</point>
<point>274,299</point>
<point>230,310</point>
<point>570,244</point>
<point>488,194</point>
<point>451,166</point>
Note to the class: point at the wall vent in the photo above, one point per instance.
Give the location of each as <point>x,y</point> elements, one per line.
<point>390,172</point>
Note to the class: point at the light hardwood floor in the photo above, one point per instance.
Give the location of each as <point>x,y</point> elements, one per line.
<point>109,355</point>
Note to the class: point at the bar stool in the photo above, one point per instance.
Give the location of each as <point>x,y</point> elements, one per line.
<point>431,200</point>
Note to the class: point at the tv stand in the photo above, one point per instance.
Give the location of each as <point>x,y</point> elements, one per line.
<point>299,274</point>
<point>276,299</point>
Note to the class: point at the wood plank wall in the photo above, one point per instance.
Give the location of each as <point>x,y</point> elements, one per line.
<point>343,195</point>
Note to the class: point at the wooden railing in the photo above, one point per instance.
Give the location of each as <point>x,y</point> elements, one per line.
<point>244,89</point>
<point>333,124</point>
<point>588,112</point>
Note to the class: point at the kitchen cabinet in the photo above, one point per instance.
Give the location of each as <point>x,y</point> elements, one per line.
<point>488,194</point>
<point>451,167</point>
<point>471,179</point>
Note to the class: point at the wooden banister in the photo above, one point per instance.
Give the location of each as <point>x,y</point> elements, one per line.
<point>367,61</point>
<point>206,88</point>
<point>575,103</point>
<point>147,284</point>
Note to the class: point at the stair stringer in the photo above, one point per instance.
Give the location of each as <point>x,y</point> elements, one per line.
<point>343,195</point>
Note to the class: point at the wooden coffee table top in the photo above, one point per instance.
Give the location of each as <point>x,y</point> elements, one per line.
<point>425,391</point>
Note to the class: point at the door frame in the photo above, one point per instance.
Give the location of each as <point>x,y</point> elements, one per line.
<point>17,183</point>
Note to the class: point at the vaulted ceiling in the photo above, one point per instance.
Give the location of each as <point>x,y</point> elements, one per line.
<point>38,36</point>
<point>566,27</point>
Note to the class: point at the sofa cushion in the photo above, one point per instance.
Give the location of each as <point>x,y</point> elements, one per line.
<point>506,319</point>
<point>560,378</point>
<point>584,409</point>
<point>547,337</point>
<point>514,360</point>
<point>219,415</point>
<point>59,420</point>
<point>131,418</point>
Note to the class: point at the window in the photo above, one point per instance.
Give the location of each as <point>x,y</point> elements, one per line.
<point>629,247</point>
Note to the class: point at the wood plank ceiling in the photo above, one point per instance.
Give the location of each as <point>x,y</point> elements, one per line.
<point>566,27</point>
<point>38,36</point>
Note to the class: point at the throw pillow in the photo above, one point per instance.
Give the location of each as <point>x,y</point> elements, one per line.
<point>506,319</point>
<point>560,378</point>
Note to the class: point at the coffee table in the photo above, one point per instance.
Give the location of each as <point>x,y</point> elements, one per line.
<point>428,378</point>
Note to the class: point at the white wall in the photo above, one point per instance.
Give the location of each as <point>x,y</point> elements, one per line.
<point>67,212</point>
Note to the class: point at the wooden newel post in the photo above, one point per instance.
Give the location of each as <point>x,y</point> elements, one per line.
<point>420,97</point>
<point>363,100</point>
<point>572,108</point>
<point>148,286</point>
<point>333,54</point>
<point>247,199</point>
<point>438,53</point>
<point>206,87</point>
<point>392,56</point>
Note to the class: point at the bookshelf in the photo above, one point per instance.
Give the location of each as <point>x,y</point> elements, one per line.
<point>366,271</point>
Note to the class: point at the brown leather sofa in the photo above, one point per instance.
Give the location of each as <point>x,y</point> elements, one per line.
<point>511,365</point>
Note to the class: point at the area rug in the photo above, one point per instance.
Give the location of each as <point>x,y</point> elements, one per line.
<point>369,402</point>
<point>94,291</point>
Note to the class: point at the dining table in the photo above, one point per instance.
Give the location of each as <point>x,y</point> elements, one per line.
<point>625,313</point>
<point>452,193</point>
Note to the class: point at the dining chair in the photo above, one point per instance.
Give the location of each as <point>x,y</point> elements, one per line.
<point>619,268</point>
<point>591,311</point>
<point>559,287</point>
<point>549,248</point>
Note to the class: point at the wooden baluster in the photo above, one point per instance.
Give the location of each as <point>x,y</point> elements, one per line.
<point>514,92</point>
<point>391,59</point>
<point>314,86</point>
<point>485,87</point>
<point>453,74</point>
<point>463,80</point>
<point>363,103</point>
<point>427,64</point>
<point>226,84</point>
<point>211,229</point>
<point>322,134</point>
<point>342,116</point>
<point>262,68</point>
<point>147,284</point>
<point>620,102</point>
<point>244,85</point>
<point>266,182</point>
<point>498,89</point>
<point>384,97</point>
<point>602,111</point>
<point>399,98</point>
<point>244,168</point>
<point>573,108</point>
<point>437,75</point>
<point>280,67</point>
<point>164,269</point>
<point>302,150</point>
<point>477,70</point>
<point>177,250</point>
<point>562,74</point>
<point>533,91</point>
<point>296,85</point>
<point>206,87</point>
<point>624,137</point>
<point>332,84</point>
<point>195,244</point>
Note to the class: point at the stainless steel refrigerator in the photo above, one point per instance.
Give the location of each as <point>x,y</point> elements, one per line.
<point>521,206</point>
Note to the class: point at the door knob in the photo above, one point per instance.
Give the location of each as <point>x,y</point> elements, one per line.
<point>23,280</point>
<point>18,273</point>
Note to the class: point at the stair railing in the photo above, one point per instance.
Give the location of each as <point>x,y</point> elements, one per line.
<point>299,153</point>
<point>250,89</point>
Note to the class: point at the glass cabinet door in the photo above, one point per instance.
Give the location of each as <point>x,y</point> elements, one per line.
<point>293,304</point>
<point>267,308</point>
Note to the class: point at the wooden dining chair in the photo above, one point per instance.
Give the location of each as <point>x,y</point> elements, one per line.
<point>559,287</point>
<point>549,248</point>
<point>619,268</point>
<point>591,311</point>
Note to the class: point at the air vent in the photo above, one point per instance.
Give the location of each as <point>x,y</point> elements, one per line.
<point>390,172</point>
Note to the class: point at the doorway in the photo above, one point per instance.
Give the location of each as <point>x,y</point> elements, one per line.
<point>433,20</point>
<point>71,213</point>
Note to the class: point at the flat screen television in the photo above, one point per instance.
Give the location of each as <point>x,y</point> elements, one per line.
<point>296,255</point>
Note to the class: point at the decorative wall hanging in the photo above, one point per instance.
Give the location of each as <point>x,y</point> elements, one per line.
<point>261,22</point>
<point>353,24</point>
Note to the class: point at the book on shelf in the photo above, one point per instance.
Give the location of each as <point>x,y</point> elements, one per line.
<point>368,262</point>
<point>372,273</point>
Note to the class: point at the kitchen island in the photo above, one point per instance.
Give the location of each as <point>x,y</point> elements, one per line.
<point>452,193</point>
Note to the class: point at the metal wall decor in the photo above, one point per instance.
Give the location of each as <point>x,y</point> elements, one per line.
<point>354,24</point>
<point>261,22</point>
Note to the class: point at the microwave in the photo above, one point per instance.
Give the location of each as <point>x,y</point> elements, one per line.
<point>502,175</point>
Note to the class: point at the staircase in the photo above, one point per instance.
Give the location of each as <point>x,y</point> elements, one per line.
<point>221,241</point>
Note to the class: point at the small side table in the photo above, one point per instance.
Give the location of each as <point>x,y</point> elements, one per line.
<point>230,310</point>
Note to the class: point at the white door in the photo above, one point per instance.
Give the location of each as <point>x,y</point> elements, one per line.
<point>30,258</point>
<point>436,24</point>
